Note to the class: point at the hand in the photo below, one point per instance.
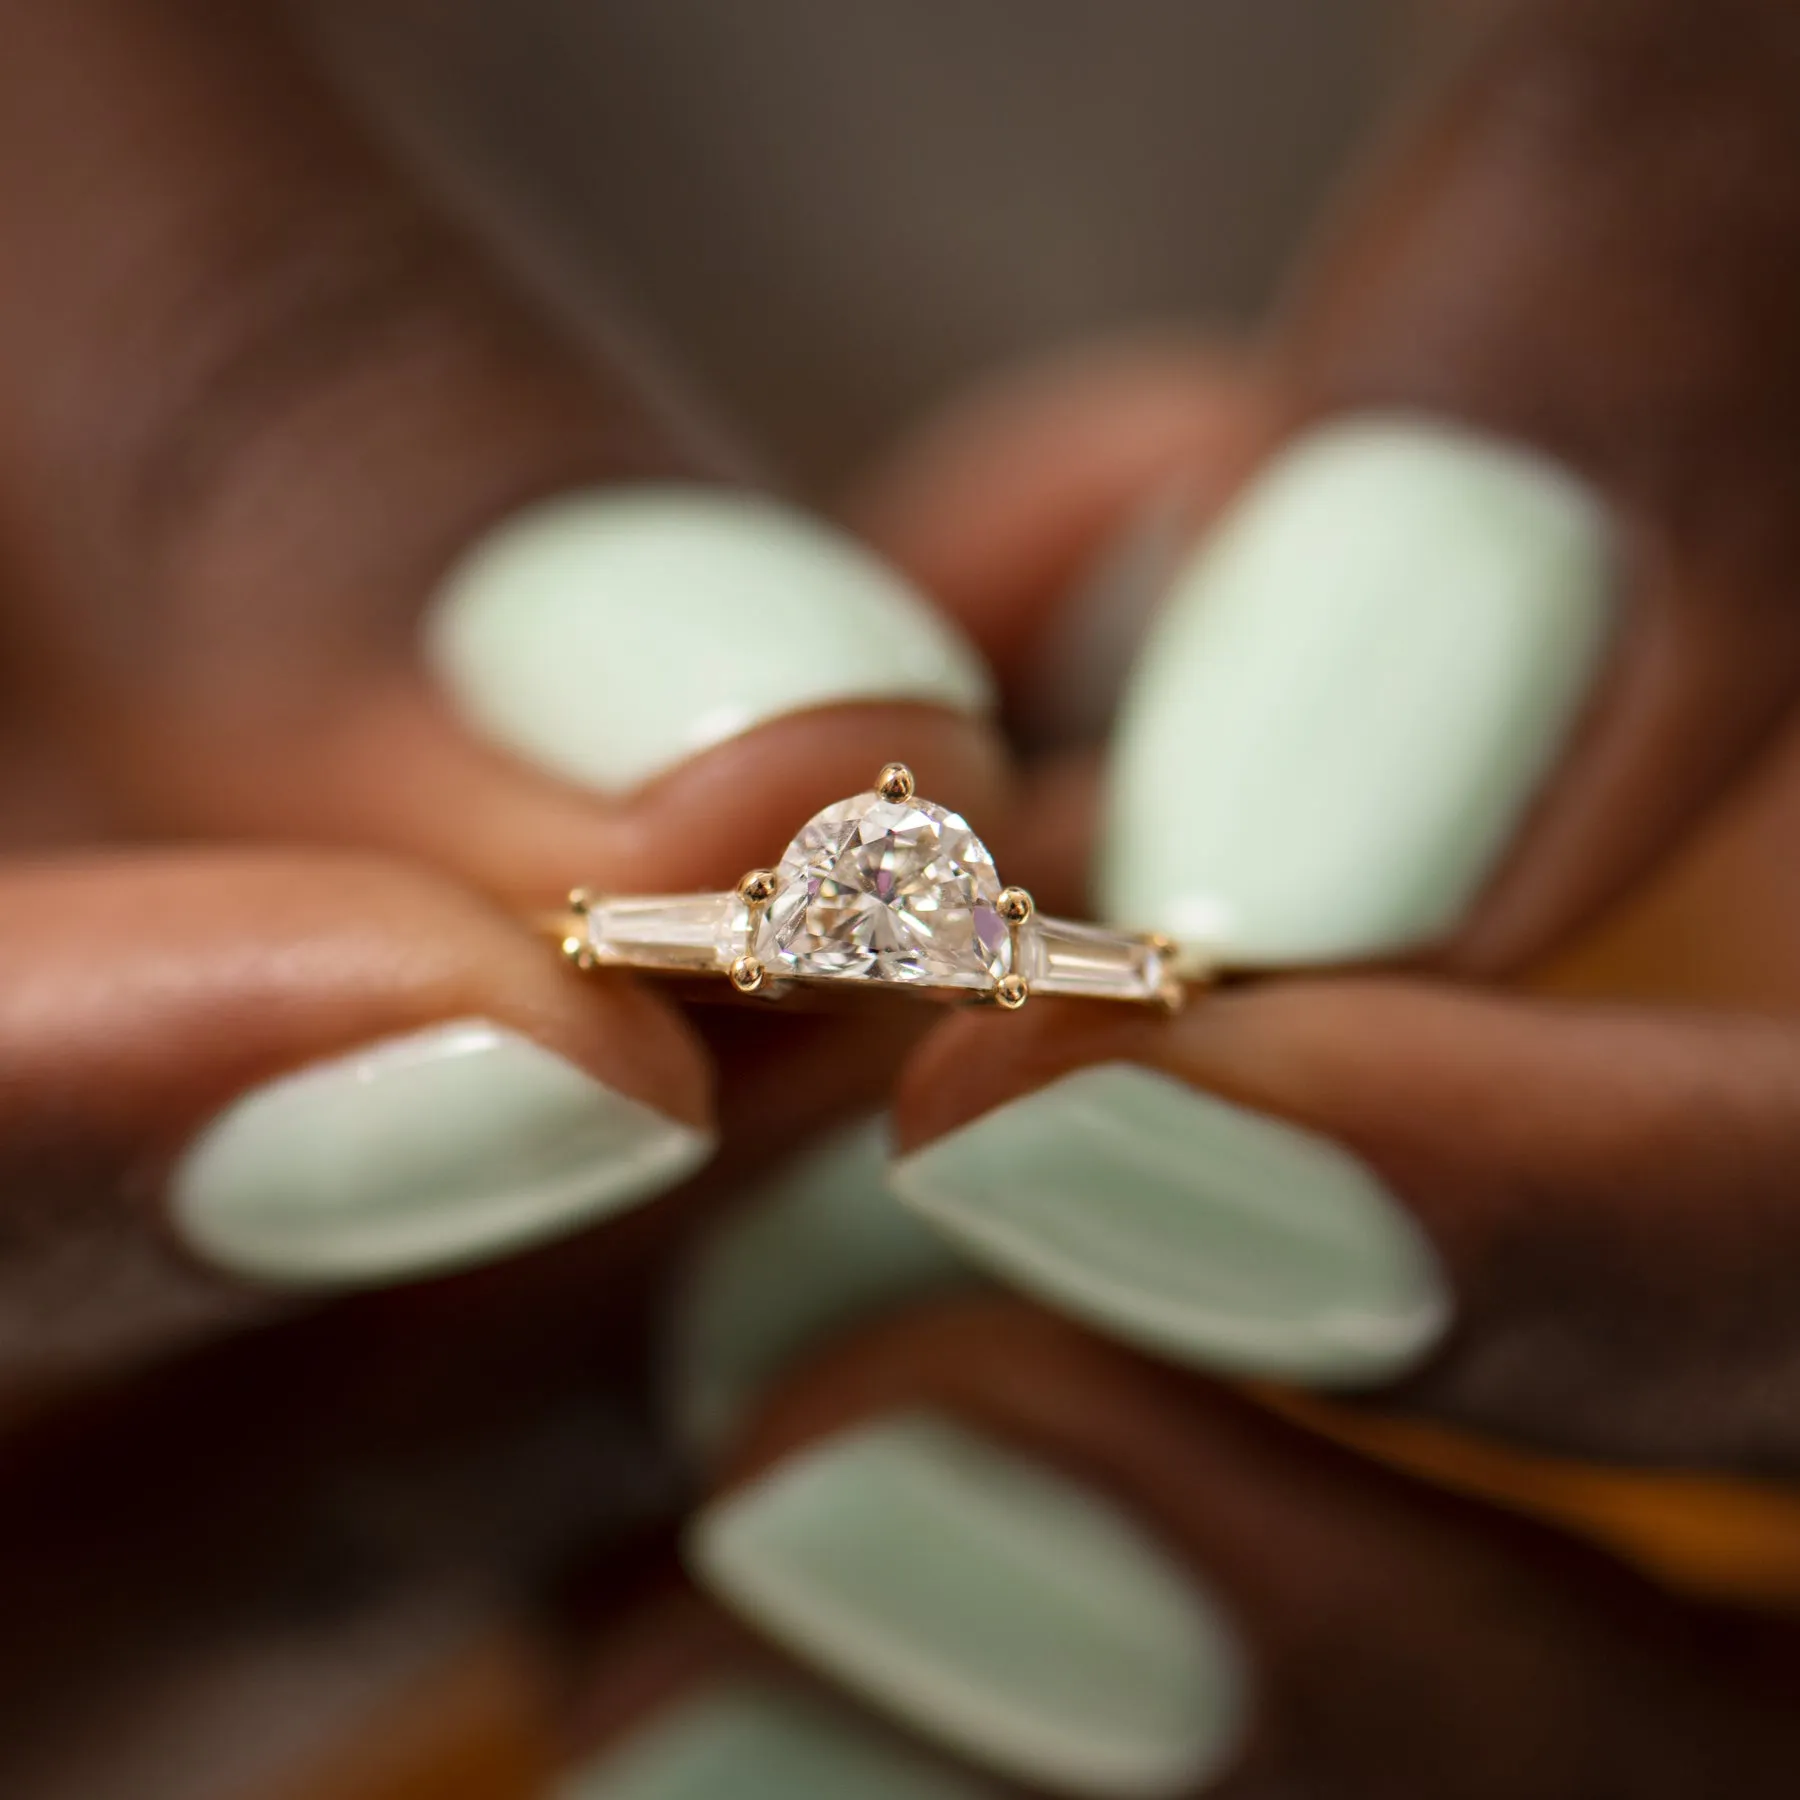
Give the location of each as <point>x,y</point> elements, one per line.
<point>315,536</point>
<point>1487,671</point>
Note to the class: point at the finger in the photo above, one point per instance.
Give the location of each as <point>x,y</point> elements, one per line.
<point>226,1076</point>
<point>376,558</point>
<point>1563,1223</point>
<point>1508,612</point>
<point>679,1703</point>
<point>809,1250</point>
<point>1004,502</point>
<point>1038,1553</point>
<point>312,1560</point>
<point>1710,928</point>
<point>1540,681</point>
<point>433,1484</point>
<point>748,1733</point>
<point>1047,512</point>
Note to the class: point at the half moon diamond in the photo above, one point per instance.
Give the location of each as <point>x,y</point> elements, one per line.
<point>886,890</point>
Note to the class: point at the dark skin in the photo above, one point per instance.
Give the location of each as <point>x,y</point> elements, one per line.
<point>1568,251</point>
<point>1404,1643</point>
<point>1591,244</point>
<point>220,645</point>
<point>1588,245</point>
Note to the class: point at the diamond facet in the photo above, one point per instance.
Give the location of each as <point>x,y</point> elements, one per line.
<point>887,890</point>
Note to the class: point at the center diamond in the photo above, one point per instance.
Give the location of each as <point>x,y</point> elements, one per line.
<point>888,890</point>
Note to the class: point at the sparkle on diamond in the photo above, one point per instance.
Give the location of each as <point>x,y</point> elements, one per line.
<point>889,890</point>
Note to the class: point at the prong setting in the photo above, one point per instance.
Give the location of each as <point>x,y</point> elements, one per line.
<point>1014,905</point>
<point>758,887</point>
<point>756,890</point>
<point>1171,991</point>
<point>576,946</point>
<point>895,782</point>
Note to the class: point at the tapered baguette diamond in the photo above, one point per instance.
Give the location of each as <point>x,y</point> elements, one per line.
<point>703,932</point>
<point>1058,956</point>
<point>886,890</point>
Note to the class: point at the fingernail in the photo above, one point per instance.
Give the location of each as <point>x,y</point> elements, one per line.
<point>760,1743</point>
<point>990,1604</point>
<point>1354,691</point>
<point>416,1154</point>
<point>1195,1228</point>
<point>608,637</point>
<point>812,1250</point>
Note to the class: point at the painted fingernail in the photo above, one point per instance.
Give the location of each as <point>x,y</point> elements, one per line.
<point>990,1604</point>
<point>1189,1226</point>
<point>1355,690</point>
<point>760,1743</point>
<point>607,637</point>
<point>419,1153</point>
<point>813,1249</point>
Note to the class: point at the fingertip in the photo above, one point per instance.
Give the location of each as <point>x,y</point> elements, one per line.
<point>610,637</point>
<point>926,1566</point>
<point>979,1059</point>
<point>1212,1234</point>
<point>487,1100</point>
<point>338,1071</point>
<point>737,806</point>
<point>1004,499</point>
<point>718,763</point>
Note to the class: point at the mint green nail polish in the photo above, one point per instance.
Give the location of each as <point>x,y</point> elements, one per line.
<point>1363,677</point>
<point>991,1604</point>
<point>1198,1229</point>
<point>760,1743</point>
<point>609,636</point>
<point>418,1153</point>
<point>814,1248</point>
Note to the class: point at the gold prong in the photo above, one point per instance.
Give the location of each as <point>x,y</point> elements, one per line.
<point>579,951</point>
<point>1014,905</point>
<point>758,887</point>
<point>756,890</point>
<point>1171,992</point>
<point>581,901</point>
<point>895,782</point>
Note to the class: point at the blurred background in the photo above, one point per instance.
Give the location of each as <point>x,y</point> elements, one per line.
<point>833,216</point>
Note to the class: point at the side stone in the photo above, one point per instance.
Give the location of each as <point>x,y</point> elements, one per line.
<point>703,932</point>
<point>1058,956</point>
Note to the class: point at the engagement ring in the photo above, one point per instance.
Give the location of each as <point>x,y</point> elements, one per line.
<point>883,888</point>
